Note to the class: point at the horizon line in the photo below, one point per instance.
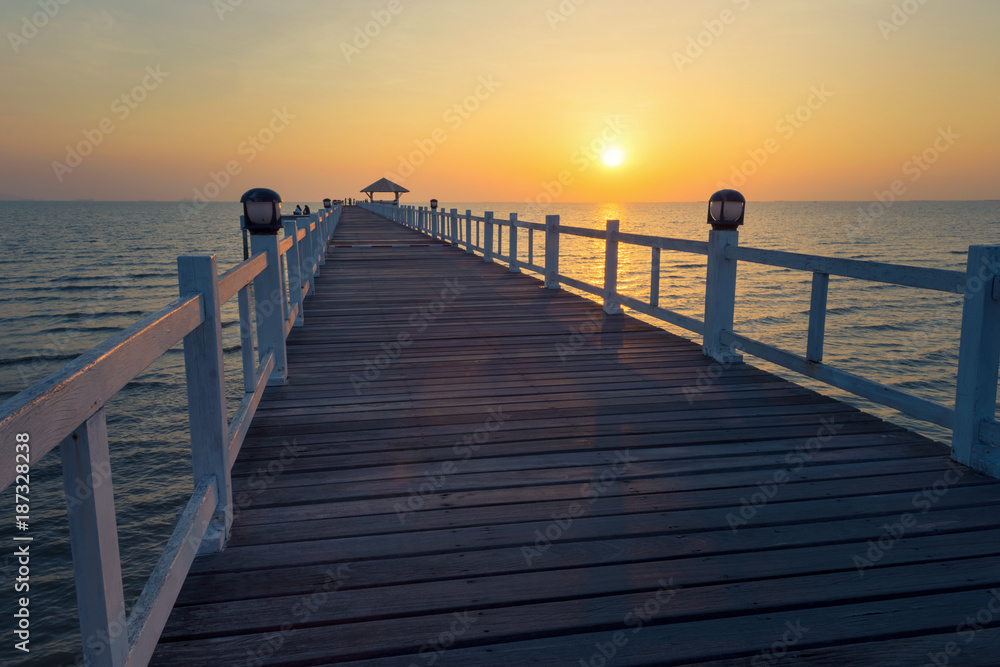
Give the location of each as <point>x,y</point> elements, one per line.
<point>499,201</point>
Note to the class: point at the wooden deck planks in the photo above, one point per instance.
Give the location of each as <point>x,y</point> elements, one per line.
<point>519,473</point>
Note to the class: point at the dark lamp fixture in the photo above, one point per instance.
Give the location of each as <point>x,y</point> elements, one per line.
<point>726,209</point>
<point>261,211</point>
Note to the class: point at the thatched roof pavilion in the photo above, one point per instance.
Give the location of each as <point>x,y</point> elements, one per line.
<point>384,185</point>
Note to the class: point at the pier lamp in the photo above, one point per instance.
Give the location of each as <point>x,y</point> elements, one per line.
<point>327,203</point>
<point>261,211</point>
<point>434,204</point>
<point>726,209</point>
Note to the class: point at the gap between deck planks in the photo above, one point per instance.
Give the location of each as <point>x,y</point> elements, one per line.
<point>518,551</point>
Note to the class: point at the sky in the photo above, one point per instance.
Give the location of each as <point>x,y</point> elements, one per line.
<point>520,100</point>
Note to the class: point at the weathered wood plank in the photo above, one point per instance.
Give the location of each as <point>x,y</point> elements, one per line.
<point>640,554</point>
<point>911,276</point>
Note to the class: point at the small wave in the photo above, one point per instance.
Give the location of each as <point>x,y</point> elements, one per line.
<point>904,363</point>
<point>117,280</point>
<point>917,384</point>
<point>881,327</point>
<point>941,355</point>
<point>22,299</point>
<point>840,310</point>
<point>230,350</point>
<point>769,319</point>
<point>60,330</point>
<point>81,288</point>
<point>102,314</point>
<point>38,358</point>
<point>152,384</point>
<point>78,279</point>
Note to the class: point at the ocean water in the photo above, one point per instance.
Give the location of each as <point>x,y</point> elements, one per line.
<point>74,273</point>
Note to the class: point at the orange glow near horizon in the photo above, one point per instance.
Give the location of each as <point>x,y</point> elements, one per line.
<point>788,100</point>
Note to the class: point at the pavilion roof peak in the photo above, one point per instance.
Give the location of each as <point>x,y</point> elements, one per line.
<point>384,185</point>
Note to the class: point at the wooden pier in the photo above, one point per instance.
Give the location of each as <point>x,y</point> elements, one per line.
<point>465,468</point>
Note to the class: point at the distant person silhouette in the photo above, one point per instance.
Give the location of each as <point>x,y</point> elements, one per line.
<point>298,210</point>
<point>306,210</point>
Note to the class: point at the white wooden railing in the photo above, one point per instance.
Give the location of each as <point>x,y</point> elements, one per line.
<point>975,431</point>
<point>67,409</point>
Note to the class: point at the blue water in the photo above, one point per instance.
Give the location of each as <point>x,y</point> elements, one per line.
<point>74,273</point>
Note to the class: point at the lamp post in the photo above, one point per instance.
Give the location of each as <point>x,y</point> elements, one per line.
<point>725,213</point>
<point>262,219</point>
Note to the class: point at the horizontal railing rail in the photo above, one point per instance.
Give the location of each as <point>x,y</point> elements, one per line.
<point>68,409</point>
<point>975,431</point>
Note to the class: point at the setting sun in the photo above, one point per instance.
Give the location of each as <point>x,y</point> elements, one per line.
<point>613,157</point>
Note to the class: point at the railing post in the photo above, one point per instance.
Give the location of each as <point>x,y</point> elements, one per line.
<point>611,305</point>
<point>468,232</point>
<point>295,275</point>
<point>817,317</point>
<point>319,238</point>
<point>978,362</point>
<point>654,278</point>
<point>552,251</point>
<point>206,391</point>
<point>720,295</point>
<point>512,245</point>
<point>269,298</point>
<point>310,262</point>
<point>246,341</point>
<point>454,227</point>
<point>488,236</point>
<point>93,537</point>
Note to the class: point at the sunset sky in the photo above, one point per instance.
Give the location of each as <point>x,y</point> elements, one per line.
<point>477,100</point>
